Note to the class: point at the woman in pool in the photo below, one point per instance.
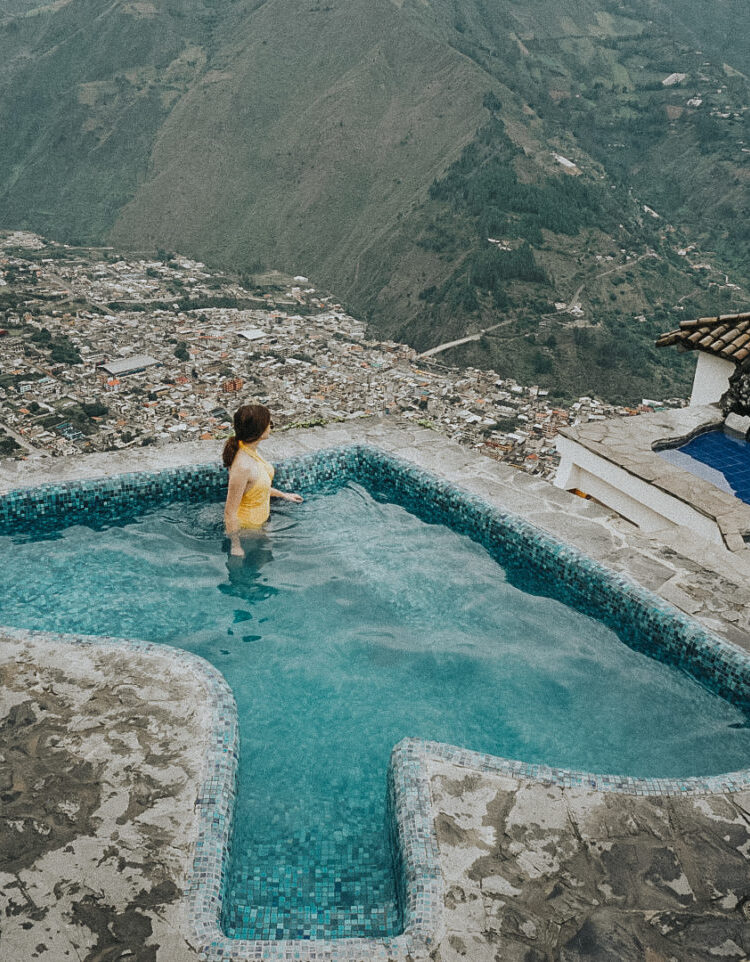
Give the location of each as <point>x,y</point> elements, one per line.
<point>249,493</point>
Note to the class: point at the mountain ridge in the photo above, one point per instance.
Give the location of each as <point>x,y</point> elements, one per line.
<point>311,137</point>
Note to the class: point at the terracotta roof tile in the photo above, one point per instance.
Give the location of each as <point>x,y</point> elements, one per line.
<point>725,336</point>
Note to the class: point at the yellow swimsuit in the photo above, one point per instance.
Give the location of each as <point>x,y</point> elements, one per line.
<point>255,506</point>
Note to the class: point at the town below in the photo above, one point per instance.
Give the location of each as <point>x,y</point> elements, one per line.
<point>101,351</point>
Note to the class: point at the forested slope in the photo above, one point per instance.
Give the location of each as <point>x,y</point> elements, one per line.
<point>377,146</point>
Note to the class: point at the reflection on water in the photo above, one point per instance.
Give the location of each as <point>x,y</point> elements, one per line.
<point>245,574</point>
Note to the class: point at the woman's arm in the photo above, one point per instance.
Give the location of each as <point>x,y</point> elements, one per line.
<point>286,496</point>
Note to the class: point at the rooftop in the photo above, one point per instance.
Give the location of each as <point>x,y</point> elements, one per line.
<point>128,365</point>
<point>727,336</point>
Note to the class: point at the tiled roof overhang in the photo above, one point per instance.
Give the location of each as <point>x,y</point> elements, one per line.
<point>727,336</point>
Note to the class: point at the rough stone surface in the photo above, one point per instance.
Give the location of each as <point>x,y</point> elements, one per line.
<point>736,399</point>
<point>629,443</point>
<point>101,752</point>
<point>536,872</point>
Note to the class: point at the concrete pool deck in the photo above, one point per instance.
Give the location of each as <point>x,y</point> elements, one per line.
<point>618,462</point>
<point>97,833</point>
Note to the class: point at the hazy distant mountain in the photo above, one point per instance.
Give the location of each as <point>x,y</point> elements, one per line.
<point>376,145</point>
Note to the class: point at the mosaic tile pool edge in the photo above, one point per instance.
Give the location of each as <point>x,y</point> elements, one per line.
<point>649,623</point>
<point>676,639</point>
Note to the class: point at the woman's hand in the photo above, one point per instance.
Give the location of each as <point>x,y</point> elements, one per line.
<point>286,496</point>
<point>236,549</point>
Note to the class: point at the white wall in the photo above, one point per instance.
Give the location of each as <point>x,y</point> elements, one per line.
<point>640,502</point>
<point>711,378</point>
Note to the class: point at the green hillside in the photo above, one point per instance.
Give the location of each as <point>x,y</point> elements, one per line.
<point>375,146</point>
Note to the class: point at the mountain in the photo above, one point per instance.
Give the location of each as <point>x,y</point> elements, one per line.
<point>376,145</point>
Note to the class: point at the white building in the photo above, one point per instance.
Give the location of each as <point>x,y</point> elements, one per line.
<point>616,462</point>
<point>722,343</point>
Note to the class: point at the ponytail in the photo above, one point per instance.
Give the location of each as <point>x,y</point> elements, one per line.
<point>231,447</point>
<point>250,421</point>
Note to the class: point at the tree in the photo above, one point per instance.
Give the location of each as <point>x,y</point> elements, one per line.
<point>736,398</point>
<point>94,409</point>
<point>63,352</point>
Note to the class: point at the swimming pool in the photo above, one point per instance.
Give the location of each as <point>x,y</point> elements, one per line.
<point>548,573</point>
<point>721,457</point>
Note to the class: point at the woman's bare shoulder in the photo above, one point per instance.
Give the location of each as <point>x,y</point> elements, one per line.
<point>243,465</point>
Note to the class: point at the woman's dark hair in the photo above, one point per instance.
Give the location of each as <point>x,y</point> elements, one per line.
<point>250,421</point>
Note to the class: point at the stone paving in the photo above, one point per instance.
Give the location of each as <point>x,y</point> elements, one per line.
<point>630,444</point>
<point>101,759</point>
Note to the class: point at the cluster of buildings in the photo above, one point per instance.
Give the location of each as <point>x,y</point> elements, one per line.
<point>99,353</point>
<point>705,94</point>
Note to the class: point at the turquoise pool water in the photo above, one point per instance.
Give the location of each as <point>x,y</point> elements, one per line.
<point>348,626</point>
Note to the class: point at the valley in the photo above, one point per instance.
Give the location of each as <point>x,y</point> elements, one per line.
<point>445,167</point>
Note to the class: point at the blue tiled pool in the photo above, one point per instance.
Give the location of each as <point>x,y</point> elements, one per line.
<point>435,633</point>
<point>721,457</point>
